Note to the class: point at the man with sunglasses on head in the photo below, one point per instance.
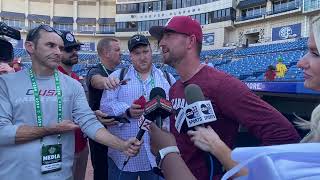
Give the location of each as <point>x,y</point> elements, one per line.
<point>39,110</point>
<point>68,59</point>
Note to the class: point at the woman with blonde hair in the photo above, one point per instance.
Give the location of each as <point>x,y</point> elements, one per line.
<point>310,64</point>
<point>292,161</point>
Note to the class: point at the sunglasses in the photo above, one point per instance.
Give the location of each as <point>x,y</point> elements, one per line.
<point>42,27</point>
<point>71,48</point>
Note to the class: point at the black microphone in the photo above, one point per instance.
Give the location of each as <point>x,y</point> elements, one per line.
<point>158,107</point>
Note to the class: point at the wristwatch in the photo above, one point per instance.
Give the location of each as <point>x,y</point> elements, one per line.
<point>165,151</point>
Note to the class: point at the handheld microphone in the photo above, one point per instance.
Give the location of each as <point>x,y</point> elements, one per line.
<point>141,101</point>
<point>198,111</point>
<point>158,107</point>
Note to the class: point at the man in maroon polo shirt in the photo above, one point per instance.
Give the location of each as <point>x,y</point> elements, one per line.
<point>70,58</point>
<point>233,103</point>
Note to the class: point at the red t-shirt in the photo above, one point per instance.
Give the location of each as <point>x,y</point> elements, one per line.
<point>233,103</point>
<point>80,141</point>
<point>270,75</point>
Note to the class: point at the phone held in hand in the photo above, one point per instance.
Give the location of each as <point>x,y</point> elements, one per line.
<point>118,118</point>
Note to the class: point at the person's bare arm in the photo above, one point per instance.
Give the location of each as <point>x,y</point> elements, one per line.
<point>130,147</point>
<point>172,166</point>
<point>208,140</point>
<point>102,118</point>
<point>29,133</point>
<point>100,82</point>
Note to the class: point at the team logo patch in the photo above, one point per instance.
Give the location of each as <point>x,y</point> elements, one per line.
<point>52,150</point>
<point>137,38</point>
<point>285,32</point>
<point>69,37</point>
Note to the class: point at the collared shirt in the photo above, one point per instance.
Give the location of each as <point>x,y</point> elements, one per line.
<point>115,102</point>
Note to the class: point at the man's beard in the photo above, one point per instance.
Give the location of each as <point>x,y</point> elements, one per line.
<point>70,61</point>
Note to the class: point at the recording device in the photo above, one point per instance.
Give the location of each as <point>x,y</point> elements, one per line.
<point>9,31</point>
<point>6,48</point>
<point>117,118</point>
<point>124,82</point>
<point>158,107</point>
<point>198,111</point>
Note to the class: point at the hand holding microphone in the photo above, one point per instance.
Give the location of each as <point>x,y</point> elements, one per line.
<point>160,139</point>
<point>198,112</point>
<point>157,109</point>
<point>136,109</point>
<point>206,139</point>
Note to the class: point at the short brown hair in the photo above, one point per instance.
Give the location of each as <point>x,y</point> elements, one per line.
<point>105,44</point>
<point>199,48</point>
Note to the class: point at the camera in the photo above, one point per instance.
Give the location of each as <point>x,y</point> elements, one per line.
<point>6,48</point>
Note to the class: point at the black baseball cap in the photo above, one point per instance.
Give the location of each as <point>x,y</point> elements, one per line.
<point>69,40</point>
<point>137,40</point>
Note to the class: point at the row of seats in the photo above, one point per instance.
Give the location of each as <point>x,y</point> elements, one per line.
<point>247,64</point>
<point>300,43</point>
<point>215,53</point>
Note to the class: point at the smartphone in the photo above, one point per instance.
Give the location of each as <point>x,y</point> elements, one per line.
<point>124,82</point>
<point>117,118</point>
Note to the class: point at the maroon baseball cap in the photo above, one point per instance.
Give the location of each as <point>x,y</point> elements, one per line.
<point>179,24</point>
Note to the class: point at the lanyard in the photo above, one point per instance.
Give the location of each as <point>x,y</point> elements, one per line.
<point>37,98</point>
<point>105,69</point>
<point>144,91</point>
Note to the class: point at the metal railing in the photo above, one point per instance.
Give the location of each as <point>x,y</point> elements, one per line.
<point>311,5</point>
<point>282,8</point>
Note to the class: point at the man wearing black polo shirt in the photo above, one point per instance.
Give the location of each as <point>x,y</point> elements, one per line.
<point>109,54</point>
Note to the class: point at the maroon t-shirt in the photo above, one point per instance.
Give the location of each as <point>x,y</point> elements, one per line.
<point>270,75</point>
<point>233,104</point>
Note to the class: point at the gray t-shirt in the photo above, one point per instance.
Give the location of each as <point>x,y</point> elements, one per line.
<point>17,107</point>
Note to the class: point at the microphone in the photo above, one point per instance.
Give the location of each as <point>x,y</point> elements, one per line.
<point>198,111</point>
<point>142,102</point>
<point>158,107</point>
